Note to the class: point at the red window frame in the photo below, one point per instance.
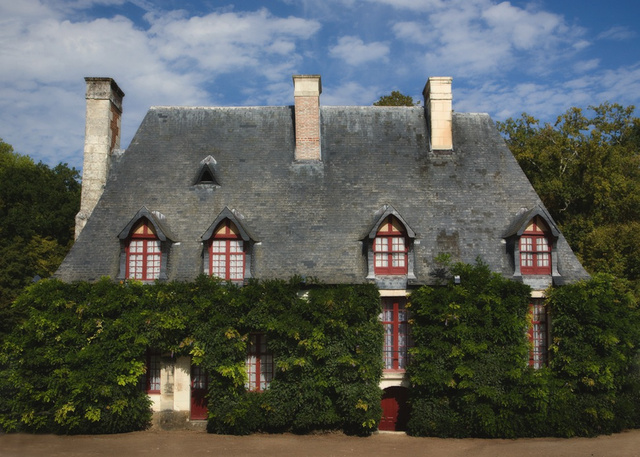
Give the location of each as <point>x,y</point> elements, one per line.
<point>390,248</point>
<point>535,249</point>
<point>537,334</point>
<point>397,339</point>
<point>152,374</point>
<point>227,252</point>
<point>259,363</point>
<point>144,253</point>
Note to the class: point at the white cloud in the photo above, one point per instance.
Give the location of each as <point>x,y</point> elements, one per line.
<point>353,51</point>
<point>617,33</point>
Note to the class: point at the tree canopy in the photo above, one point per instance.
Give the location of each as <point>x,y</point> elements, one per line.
<point>396,99</point>
<point>37,210</point>
<point>586,169</point>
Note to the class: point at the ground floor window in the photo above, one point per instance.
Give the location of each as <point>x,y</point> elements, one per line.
<point>151,380</point>
<point>396,333</point>
<point>259,363</point>
<point>538,334</point>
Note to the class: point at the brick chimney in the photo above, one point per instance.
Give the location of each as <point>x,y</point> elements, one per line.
<point>438,102</point>
<point>101,138</point>
<point>306,94</point>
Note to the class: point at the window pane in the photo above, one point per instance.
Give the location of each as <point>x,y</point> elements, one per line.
<point>526,243</point>
<point>382,260</point>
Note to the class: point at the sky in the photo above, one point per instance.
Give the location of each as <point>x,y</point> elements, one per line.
<point>541,57</point>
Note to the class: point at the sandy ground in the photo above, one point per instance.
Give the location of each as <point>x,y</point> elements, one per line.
<point>197,443</point>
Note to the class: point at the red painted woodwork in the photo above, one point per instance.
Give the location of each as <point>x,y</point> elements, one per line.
<point>143,253</point>
<point>535,249</point>
<point>259,364</point>
<point>538,334</point>
<point>395,409</point>
<point>396,333</point>
<point>198,393</point>
<point>390,248</point>
<point>226,252</point>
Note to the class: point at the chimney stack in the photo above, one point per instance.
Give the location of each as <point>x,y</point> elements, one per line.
<point>306,94</point>
<point>438,101</point>
<point>102,136</point>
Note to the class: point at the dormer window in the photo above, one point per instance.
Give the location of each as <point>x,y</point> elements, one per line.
<point>145,244</point>
<point>390,248</point>
<point>226,252</point>
<point>535,248</point>
<point>144,253</point>
<point>227,247</point>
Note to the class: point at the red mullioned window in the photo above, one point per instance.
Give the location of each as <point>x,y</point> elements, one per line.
<point>226,252</point>
<point>538,334</point>
<point>259,363</point>
<point>390,248</point>
<point>144,253</point>
<point>396,333</point>
<point>535,249</point>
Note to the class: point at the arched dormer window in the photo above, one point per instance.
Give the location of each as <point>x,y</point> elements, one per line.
<point>531,240</point>
<point>145,244</point>
<point>390,248</point>
<point>226,252</point>
<point>143,253</point>
<point>227,248</point>
<point>535,248</point>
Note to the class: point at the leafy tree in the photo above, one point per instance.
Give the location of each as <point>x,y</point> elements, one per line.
<point>37,211</point>
<point>586,169</point>
<point>396,99</point>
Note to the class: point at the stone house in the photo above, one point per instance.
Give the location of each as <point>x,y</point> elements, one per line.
<point>344,194</point>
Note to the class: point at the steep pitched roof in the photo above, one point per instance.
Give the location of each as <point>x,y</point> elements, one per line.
<point>313,218</point>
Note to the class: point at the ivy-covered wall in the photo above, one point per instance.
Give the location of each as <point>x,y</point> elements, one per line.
<point>74,364</point>
<point>469,370</point>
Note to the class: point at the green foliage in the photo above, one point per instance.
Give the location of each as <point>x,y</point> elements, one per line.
<point>396,99</point>
<point>469,363</point>
<point>596,338</point>
<point>587,172</point>
<point>469,366</point>
<point>326,347</point>
<point>37,210</point>
<point>74,363</point>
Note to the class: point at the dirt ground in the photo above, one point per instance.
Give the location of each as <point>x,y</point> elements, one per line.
<point>191,443</point>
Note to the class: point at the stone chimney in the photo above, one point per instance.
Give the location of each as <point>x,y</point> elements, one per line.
<point>438,102</point>
<point>306,93</point>
<point>101,138</point>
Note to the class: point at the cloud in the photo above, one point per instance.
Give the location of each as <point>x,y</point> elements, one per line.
<point>353,51</point>
<point>617,33</point>
<point>47,48</point>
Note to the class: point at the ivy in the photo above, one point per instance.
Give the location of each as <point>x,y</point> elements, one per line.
<point>74,363</point>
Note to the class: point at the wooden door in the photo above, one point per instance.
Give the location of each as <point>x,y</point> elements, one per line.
<point>395,409</point>
<point>198,393</point>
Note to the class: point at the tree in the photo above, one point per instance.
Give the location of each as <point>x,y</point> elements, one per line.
<point>396,99</point>
<point>37,211</point>
<point>586,170</point>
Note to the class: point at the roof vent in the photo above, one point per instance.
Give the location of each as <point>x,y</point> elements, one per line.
<point>207,172</point>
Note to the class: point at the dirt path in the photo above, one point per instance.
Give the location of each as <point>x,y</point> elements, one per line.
<point>191,443</point>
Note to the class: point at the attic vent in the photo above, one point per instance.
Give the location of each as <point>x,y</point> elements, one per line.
<point>207,173</point>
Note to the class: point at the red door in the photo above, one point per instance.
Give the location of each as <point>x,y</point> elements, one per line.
<point>198,393</point>
<point>395,409</point>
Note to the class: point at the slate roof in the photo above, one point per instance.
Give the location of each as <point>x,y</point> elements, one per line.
<point>314,218</point>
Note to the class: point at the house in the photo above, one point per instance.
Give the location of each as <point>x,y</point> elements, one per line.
<point>345,194</point>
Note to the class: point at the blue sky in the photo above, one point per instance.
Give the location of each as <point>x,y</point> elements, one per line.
<point>540,57</point>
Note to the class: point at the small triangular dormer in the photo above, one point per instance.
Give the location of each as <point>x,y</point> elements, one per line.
<point>207,172</point>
